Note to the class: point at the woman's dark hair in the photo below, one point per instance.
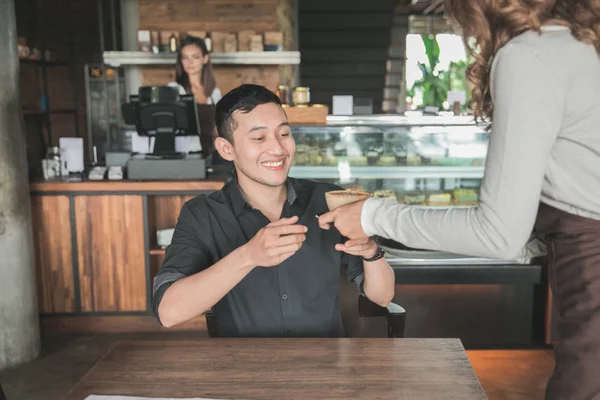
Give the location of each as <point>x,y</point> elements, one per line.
<point>244,98</point>
<point>207,79</point>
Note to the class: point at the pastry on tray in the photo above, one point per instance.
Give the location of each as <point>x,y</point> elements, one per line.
<point>439,199</point>
<point>387,161</point>
<point>386,194</point>
<point>357,161</point>
<point>414,200</point>
<point>414,161</point>
<point>465,197</point>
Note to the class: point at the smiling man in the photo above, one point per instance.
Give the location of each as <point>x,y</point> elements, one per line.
<point>253,251</point>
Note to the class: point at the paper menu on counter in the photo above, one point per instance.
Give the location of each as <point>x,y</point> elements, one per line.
<point>71,152</point>
<point>141,144</point>
<point>187,144</point>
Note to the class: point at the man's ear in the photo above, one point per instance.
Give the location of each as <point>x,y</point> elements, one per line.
<point>225,148</point>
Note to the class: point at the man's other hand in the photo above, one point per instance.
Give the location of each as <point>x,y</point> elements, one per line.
<point>276,242</point>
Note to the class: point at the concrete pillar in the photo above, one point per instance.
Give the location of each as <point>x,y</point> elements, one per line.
<point>19,321</point>
<point>129,26</point>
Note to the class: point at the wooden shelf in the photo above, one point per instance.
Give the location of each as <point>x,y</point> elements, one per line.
<point>122,58</point>
<point>157,251</point>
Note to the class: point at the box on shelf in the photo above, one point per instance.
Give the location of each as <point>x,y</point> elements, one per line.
<point>273,41</point>
<point>256,43</point>
<point>218,41</point>
<point>230,44</point>
<point>245,40</point>
<point>312,114</point>
<point>274,38</point>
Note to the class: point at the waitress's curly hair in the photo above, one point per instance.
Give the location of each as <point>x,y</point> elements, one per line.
<point>492,23</point>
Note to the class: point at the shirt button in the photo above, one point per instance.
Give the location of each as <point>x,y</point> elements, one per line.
<point>284,296</point>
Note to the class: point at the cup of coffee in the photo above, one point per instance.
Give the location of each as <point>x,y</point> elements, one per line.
<point>338,198</point>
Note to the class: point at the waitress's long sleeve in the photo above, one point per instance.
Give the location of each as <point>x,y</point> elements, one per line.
<point>528,109</point>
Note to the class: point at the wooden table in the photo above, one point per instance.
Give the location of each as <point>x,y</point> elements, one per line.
<point>422,369</point>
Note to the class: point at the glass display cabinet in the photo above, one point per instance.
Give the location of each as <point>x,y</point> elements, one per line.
<point>426,161</point>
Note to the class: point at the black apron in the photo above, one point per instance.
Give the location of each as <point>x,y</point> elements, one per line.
<point>574,274</point>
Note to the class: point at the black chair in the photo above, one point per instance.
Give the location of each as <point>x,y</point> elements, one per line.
<point>2,395</point>
<point>394,314</point>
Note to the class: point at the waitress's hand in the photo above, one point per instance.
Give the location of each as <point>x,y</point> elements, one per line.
<point>199,95</point>
<point>346,219</point>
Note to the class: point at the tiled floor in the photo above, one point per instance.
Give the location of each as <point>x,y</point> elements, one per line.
<point>504,374</point>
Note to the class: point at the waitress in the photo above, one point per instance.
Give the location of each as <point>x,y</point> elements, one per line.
<point>536,75</point>
<point>194,75</point>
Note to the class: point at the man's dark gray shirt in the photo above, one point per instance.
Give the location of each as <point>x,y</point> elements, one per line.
<point>298,298</point>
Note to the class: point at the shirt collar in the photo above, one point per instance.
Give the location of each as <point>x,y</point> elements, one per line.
<point>238,200</point>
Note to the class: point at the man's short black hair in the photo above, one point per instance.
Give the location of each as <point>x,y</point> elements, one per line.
<point>244,98</point>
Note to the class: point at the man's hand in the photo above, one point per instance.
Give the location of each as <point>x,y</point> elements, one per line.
<point>275,242</point>
<point>366,247</point>
<point>346,219</point>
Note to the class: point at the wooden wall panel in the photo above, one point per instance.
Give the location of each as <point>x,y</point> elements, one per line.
<point>54,262</point>
<point>110,246</point>
<point>208,15</point>
<point>165,209</point>
<point>158,76</point>
<point>227,76</point>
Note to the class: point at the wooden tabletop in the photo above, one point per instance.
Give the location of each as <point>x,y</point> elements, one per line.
<point>422,369</point>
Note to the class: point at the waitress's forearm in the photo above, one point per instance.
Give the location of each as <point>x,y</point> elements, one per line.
<point>379,282</point>
<point>477,231</point>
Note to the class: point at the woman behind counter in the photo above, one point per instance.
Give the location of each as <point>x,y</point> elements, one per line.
<point>194,73</point>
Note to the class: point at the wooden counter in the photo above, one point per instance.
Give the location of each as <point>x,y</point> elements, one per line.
<point>125,186</point>
<point>96,251</point>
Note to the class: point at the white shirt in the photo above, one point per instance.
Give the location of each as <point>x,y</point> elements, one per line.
<point>212,99</point>
<point>544,146</point>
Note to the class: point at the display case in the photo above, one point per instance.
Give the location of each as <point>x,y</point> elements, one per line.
<point>424,161</point>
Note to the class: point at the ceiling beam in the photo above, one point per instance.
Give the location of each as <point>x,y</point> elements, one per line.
<point>436,5</point>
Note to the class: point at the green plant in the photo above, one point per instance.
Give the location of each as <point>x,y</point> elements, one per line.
<point>434,85</point>
<point>456,77</point>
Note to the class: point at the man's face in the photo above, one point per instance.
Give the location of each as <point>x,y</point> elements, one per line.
<point>263,147</point>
